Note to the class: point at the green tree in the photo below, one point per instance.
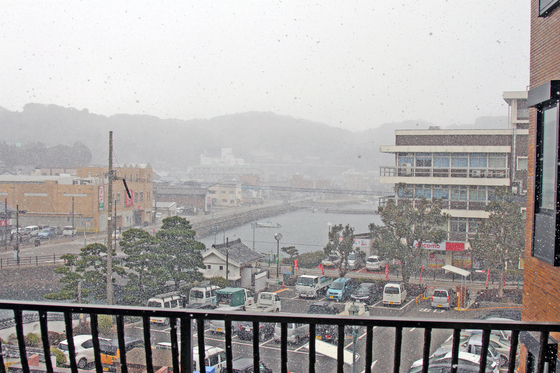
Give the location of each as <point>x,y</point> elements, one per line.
<point>180,255</point>
<point>500,239</point>
<point>407,225</point>
<point>88,268</point>
<point>145,275</point>
<point>341,241</point>
<point>291,251</point>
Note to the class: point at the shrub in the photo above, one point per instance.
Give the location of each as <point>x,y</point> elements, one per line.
<point>105,325</point>
<point>60,358</point>
<point>311,260</point>
<point>32,340</point>
<point>82,328</point>
<point>55,338</point>
<point>219,281</point>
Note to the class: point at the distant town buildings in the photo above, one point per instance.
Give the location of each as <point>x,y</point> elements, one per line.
<point>81,199</point>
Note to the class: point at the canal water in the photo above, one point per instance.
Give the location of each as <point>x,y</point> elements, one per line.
<point>304,229</point>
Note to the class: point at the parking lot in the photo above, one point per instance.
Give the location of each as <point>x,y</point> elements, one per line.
<point>383,341</point>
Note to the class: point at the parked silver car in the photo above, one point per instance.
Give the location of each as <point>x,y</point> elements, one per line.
<point>296,332</point>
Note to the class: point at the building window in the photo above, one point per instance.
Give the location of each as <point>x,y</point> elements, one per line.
<point>221,268</point>
<point>441,192</point>
<point>479,160</point>
<point>546,235</point>
<point>521,163</point>
<point>477,193</point>
<point>497,160</point>
<point>458,193</point>
<point>424,191</point>
<point>460,160</point>
<point>208,266</point>
<point>141,196</point>
<point>424,160</point>
<point>547,6</point>
<point>405,159</point>
<point>442,160</point>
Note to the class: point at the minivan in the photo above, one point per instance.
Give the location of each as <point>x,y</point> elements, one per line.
<point>340,289</point>
<point>374,263</point>
<point>443,298</point>
<point>31,230</point>
<point>215,357</point>
<point>394,293</point>
<point>167,300</point>
<point>203,295</point>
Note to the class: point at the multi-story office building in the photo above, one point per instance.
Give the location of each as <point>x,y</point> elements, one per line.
<point>462,168</point>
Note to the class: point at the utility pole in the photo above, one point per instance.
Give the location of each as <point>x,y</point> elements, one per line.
<point>278,237</point>
<point>72,218</point>
<point>110,293</point>
<point>227,260</point>
<point>6,223</point>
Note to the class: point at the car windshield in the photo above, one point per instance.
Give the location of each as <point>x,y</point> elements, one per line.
<point>363,288</point>
<point>337,286</point>
<point>196,294</point>
<point>154,304</point>
<point>440,294</point>
<point>351,256</point>
<point>305,281</point>
<point>372,260</point>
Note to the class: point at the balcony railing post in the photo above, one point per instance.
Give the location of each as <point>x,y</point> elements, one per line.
<point>201,350</point>
<point>312,340</point>
<point>95,339</point>
<point>70,340</point>
<point>45,340</point>
<point>147,343</point>
<point>398,345</point>
<point>186,344</point>
<point>122,345</point>
<point>21,340</point>
<point>340,349</point>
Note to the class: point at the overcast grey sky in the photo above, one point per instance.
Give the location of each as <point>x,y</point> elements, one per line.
<point>351,64</point>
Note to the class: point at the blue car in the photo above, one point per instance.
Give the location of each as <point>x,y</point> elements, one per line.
<point>340,289</point>
<point>46,233</point>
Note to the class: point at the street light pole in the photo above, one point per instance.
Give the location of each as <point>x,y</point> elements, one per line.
<point>227,260</point>
<point>278,237</point>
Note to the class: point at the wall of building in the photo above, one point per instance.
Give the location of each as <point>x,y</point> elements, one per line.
<point>541,288</point>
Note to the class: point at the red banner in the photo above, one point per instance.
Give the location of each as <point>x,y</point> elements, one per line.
<point>421,270</point>
<point>322,269</point>
<point>129,201</point>
<point>295,265</point>
<point>487,276</point>
<point>387,271</point>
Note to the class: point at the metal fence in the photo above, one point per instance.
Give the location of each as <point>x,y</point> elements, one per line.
<point>183,345</point>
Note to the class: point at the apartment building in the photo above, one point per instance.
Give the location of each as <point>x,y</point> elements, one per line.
<point>541,285</point>
<point>463,168</point>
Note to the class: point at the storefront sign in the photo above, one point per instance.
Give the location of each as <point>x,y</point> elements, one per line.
<point>442,246</point>
<point>129,201</point>
<point>101,198</point>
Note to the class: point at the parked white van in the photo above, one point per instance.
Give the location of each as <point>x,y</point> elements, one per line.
<point>215,357</point>
<point>394,293</point>
<point>32,230</point>
<point>167,300</point>
<point>375,263</point>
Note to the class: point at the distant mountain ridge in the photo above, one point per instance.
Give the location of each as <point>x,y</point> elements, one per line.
<point>257,137</point>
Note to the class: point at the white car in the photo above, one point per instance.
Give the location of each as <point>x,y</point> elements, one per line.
<point>83,346</point>
<point>69,231</point>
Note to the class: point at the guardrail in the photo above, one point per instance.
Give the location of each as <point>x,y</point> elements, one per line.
<point>30,260</point>
<point>182,345</point>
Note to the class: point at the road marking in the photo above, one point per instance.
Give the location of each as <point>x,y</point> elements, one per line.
<point>372,365</point>
<point>280,290</point>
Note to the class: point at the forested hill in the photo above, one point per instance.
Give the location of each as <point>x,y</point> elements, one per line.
<point>257,137</point>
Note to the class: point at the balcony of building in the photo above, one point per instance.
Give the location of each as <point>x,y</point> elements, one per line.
<point>450,176</point>
<point>187,328</point>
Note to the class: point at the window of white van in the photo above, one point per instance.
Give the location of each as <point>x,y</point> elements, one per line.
<point>392,290</point>
<point>154,304</point>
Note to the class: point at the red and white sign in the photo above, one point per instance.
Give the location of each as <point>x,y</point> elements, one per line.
<point>129,201</point>
<point>387,271</point>
<point>442,246</point>
<point>101,198</point>
<point>322,269</point>
<point>6,222</point>
<point>295,265</point>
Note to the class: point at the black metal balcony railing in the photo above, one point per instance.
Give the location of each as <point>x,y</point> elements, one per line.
<point>183,346</point>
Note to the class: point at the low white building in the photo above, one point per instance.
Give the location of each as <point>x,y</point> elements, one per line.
<point>242,262</point>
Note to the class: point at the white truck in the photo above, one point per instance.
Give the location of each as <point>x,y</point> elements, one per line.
<point>234,297</point>
<point>266,302</point>
<point>311,286</point>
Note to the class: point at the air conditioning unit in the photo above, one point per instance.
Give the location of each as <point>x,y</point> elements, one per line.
<point>405,169</point>
<point>476,173</point>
